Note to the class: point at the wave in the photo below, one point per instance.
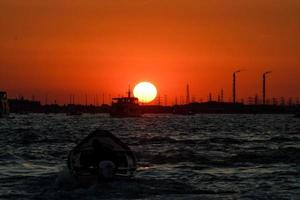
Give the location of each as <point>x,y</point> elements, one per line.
<point>259,156</point>
<point>281,155</point>
<point>65,186</point>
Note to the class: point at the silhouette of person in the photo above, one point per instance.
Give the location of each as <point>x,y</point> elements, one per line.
<point>103,160</point>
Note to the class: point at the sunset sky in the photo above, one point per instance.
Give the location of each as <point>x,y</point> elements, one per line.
<point>62,47</point>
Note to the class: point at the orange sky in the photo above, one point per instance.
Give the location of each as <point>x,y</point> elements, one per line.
<point>59,47</point>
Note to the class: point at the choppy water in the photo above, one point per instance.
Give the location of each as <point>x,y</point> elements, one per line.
<point>180,157</point>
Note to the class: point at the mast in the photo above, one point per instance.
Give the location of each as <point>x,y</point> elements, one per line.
<point>129,92</point>
<point>264,86</point>
<point>187,94</point>
<point>234,86</point>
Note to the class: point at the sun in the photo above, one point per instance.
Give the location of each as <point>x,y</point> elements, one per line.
<point>145,92</point>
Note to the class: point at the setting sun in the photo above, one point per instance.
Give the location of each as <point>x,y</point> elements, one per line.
<point>145,92</point>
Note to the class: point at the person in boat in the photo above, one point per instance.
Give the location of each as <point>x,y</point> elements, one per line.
<point>104,160</point>
<point>101,156</point>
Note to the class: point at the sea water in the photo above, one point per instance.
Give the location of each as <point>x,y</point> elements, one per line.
<point>179,157</point>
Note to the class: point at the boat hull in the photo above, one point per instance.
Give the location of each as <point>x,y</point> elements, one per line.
<point>81,156</point>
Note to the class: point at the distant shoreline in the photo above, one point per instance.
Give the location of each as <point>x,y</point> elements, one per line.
<point>23,106</point>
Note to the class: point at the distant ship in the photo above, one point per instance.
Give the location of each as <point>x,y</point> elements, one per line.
<point>4,108</point>
<point>126,107</point>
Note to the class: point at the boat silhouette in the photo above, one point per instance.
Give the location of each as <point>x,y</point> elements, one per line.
<point>84,158</point>
<point>126,107</point>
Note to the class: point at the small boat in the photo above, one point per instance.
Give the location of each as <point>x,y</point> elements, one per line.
<point>183,111</point>
<point>83,163</point>
<point>126,107</point>
<point>4,107</point>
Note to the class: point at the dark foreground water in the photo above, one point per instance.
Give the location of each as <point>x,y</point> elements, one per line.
<point>180,157</point>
